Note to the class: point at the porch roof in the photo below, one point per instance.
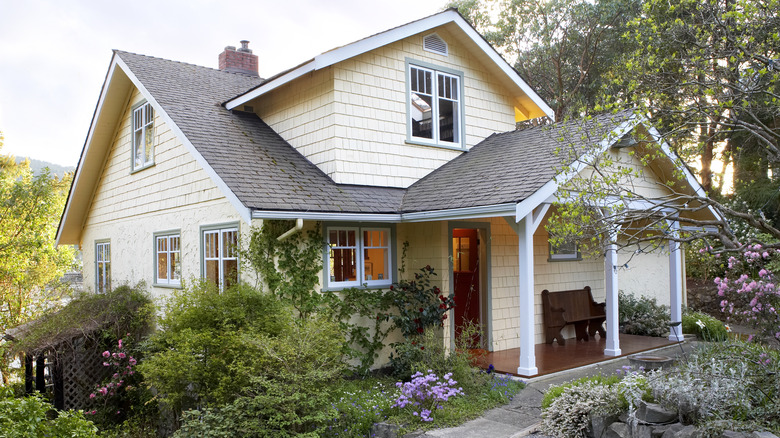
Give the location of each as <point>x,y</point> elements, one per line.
<point>510,166</point>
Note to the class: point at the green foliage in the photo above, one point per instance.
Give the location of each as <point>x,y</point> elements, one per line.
<point>205,353</point>
<point>289,268</point>
<point>734,383</point>
<point>642,316</point>
<point>419,304</point>
<point>30,264</point>
<point>102,317</point>
<point>701,263</point>
<point>359,404</point>
<point>704,326</point>
<point>557,390</point>
<point>568,414</point>
<point>289,393</point>
<point>29,417</point>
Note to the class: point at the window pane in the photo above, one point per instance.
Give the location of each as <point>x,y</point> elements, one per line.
<point>447,127</point>
<point>376,264</point>
<point>230,242</point>
<point>175,270</point>
<point>231,273</point>
<point>162,266</point>
<point>149,130</point>
<point>343,265</point>
<point>212,271</point>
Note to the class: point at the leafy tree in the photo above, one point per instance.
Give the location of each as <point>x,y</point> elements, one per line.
<point>565,49</point>
<point>30,263</point>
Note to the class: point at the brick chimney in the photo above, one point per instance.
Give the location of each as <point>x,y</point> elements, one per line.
<point>239,61</point>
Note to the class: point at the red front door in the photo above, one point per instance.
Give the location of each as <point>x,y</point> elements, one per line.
<point>466,277</point>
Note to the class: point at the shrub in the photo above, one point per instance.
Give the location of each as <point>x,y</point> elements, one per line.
<point>749,290</point>
<point>704,326</point>
<point>642,316</point>
<point>359,404</point>
<point>568,414</point>
<point>424,394</point>
<point>206,352</point>
<point>732,381</point>
<point>553,392</point>
<point>290,392</point>
<point>30,417</point>
<point>419,304</point>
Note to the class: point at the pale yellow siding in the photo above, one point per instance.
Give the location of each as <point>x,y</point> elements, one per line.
<point>127,208</point>
<point>350,119</point>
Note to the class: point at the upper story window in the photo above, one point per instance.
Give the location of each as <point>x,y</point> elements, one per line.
<point>435,106</point>
<point>143,136</point>
<point>220,255</point>
<point>167,259</point>
<point>358,256</point>
<point>102,266</point>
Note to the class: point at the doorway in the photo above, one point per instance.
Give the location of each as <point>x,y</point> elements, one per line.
<point>467,278</point>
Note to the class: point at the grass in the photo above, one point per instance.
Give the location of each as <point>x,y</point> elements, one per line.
<point>361,403</point>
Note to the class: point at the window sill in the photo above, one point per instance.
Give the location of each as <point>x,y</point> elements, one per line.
<point>568,259</point>
<point>361,286</point>
<point>167,286</point>
<point>435,145</point>
<point>138,169</point>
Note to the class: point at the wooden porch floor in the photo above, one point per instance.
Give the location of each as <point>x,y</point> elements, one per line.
<point>554,358</point>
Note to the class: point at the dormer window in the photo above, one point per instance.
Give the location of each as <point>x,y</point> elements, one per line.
<point>143,136</point>
<point>435,106</point>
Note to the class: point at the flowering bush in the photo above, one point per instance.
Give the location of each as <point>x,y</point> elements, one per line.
<point>568,414</point>
<point>704,326</point>
<point>749,291</point>
<point>426,393</point>
<point>419,303</point>
<point>113,395</point>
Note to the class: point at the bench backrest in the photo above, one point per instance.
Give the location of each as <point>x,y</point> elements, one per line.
<point>577,304</point>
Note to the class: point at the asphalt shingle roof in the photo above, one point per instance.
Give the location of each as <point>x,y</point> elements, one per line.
<point>507,167</point>
<point>267,173</point>
<point>262,169</point>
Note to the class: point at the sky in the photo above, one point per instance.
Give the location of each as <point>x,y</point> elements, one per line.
<point>54,54</point>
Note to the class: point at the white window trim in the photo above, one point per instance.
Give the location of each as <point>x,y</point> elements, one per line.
<point>360,262</point>
<point>166,282</point>
<point>142,108</point>
<point>564,257</point>
<point>220,229</point>
<point>435,141</point>
<point>105,264</point>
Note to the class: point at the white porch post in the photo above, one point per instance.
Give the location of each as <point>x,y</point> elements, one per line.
<point>525,237</point>
<point>611,285</point>
<point>675,283</point>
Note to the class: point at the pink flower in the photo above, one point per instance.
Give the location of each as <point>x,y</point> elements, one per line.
<point>120,344</point>
<point>132,361</point>
<point>122,355</point>
<point>106,353</point>
<point>762,273</point>
<point>92,395</point>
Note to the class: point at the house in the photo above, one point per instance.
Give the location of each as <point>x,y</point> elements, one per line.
<point>405,136</point>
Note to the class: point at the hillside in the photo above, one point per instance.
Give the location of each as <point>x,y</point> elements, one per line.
<point>38,165</point>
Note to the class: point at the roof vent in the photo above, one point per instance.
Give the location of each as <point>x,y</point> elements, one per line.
<point>434,43</point>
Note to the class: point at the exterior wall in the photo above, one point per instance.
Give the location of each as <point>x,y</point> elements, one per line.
<point>350,119</point>
<point>647,275</point>
<point>127,208</point>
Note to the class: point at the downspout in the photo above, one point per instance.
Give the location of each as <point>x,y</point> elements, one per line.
<point>293,230</point>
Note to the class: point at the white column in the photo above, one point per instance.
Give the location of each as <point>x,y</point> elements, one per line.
<point>611,284</point>
<point>525,237</point>
<point>675,283</point>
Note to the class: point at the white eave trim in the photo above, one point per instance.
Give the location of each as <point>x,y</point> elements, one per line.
<point>242,210</point>
<point>423,216</point>
<point>546,192</point>
<point>390,36</point>
<point>90,135</point>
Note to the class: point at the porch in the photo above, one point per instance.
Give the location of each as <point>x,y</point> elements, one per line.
<point>552,358</point>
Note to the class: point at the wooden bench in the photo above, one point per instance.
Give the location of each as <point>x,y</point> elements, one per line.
<point>575,307</point>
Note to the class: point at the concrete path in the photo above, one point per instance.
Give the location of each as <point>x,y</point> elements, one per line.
<point>522,416</point>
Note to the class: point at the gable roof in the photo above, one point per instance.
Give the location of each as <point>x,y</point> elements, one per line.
<point>450,18</point>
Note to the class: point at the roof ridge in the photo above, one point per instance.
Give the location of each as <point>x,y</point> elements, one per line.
<point>187,63</point>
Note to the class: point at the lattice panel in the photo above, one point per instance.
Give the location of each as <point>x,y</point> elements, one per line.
<point>82,371</point>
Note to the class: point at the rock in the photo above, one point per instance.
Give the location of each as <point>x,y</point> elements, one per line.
<point>671,431</point>
<point>385,430</point>
<point>654,413</point>
<point>688,432</point>
<point>733,434</point>
<point>643,431</point>
<point>763,435</point>
<point>657,431</point>
<point>599,424</point>
<point>618,430</point>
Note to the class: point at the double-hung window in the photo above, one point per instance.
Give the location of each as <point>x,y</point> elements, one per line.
<point>359,256</point>
<point>568,250</point>
<point>220,256</point>
<point>143,136</point>
<point>167,259</point>
<point>102,266</point>
<point>435,106</point>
